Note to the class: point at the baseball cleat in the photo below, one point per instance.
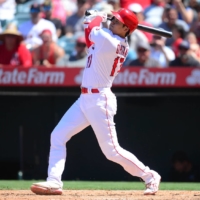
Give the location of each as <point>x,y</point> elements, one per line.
<point>46,188</point>
<point>153,186</point>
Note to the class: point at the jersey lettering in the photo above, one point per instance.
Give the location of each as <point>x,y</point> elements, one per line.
<point>121,50</point>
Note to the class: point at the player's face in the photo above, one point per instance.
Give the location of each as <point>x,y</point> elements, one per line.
<point>117,27</point>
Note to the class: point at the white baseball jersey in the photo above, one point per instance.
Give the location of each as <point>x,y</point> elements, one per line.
<point>105,58</point>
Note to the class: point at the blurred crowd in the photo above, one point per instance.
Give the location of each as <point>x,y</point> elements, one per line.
<point>50,32</point>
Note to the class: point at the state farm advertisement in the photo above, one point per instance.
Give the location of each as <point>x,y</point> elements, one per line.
<point>128,77</point>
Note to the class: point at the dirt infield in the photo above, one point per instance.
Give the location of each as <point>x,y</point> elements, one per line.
<point>100,195</point>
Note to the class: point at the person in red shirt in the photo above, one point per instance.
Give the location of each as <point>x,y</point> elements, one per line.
<point>12,50</point>
<point>48,53</point>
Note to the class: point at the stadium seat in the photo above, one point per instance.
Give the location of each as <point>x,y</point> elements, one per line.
<point>23,12</point>
<point>67,43</point>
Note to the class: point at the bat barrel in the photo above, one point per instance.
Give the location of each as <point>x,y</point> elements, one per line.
<point>155,31</point>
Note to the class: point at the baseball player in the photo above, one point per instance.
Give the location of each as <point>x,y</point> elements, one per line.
<point>96,106</point>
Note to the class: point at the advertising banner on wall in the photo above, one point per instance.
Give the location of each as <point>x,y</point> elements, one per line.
<point>127,77</point>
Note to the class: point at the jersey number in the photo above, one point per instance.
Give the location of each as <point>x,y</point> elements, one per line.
<point>117,61</point>
<point>89,61</point>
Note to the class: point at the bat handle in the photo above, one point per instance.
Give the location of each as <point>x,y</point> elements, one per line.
<point>155,31</point>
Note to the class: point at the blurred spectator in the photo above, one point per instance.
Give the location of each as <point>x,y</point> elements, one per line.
<point>7,12</point>
<point>33,28</point>
<point>49,52</point>
<point>194,4</point>
<point>195,27</point>
<point>67,42</point>
<point>47,9</point>
<point>58,11</point>
<point>132,55</point>
<point>136,37</point>
<point>183,170</point>
<point>160,52</point>
<point>170,21</point>
<point>115,4</point>
<point>153,13</point>
<point>178,34</point>
<point>21,1</point>
<point>78,58</point>
<point>195,51</point>
<point>75,22</point>
<point>184,13</point>
<point>194,46</point>
<point>138,10</point>
<point>144,59</point>
<point>80,48</point>
<point>13,52</point>
<point>184,59</point>
<point>70,7</point>
<point>106,8</point>
<point>191,38</point>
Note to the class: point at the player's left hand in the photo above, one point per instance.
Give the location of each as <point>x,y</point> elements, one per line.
<point>90,14</point>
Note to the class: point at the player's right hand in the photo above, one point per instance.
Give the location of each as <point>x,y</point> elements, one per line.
<point>103,15</point>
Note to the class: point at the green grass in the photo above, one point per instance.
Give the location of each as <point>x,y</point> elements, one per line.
<point>95,185</point>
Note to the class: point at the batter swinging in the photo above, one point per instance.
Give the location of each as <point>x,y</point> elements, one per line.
<point>96,106</point>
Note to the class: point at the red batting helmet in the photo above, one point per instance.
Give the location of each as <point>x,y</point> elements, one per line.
<point>127,17</point>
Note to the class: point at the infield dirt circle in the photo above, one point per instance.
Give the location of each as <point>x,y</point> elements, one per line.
<point>100,195</point>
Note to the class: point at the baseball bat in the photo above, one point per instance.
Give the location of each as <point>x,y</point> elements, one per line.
<point>155,31</point>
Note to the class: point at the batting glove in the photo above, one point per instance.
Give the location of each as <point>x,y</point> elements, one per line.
<point>103,15</point>
<point>91,14</point>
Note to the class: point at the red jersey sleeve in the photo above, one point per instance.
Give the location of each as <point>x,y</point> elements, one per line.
<point>96,22</point>
<point>25,57</point>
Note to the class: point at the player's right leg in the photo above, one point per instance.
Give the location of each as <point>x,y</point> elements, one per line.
<point>71,123</point>
<point>101,120</point>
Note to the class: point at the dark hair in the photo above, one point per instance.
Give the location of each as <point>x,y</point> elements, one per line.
<point>35,8</point>
<point>198,8</point>
<point>81,2</point>
<point>169,9</point>
<point>181,30</point>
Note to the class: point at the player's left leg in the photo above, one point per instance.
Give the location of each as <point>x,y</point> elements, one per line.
<point>101,120</point>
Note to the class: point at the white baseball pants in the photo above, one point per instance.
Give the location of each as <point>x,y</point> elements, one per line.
<point>98,111</point>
